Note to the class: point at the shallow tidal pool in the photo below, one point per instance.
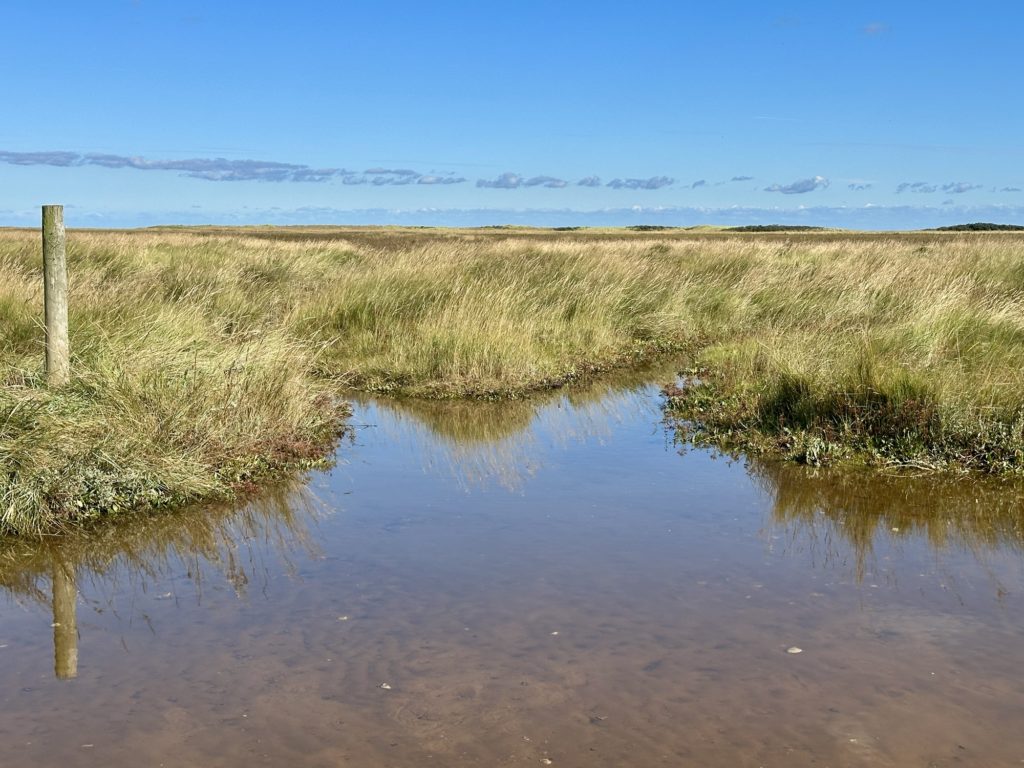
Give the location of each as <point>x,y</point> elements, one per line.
<point>548,582</point>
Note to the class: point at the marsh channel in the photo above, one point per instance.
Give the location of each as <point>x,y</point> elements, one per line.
<point>552,581</point>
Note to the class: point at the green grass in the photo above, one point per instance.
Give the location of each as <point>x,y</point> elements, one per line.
<point>900,353</point>
<point>205,360</point>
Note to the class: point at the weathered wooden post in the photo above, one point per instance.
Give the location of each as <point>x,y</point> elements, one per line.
<point>55,296</point>
<point>65,620</point>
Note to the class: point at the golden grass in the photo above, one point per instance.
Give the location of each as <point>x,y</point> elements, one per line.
<point>205,358</point>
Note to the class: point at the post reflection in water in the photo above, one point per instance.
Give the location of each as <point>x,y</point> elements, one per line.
<point>132,553</point>
<point>65,621</point>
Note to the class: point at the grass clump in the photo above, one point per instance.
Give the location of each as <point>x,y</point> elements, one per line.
<point>170,399</point>
<point>905,354</point>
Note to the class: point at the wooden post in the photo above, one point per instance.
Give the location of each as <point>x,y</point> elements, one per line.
<point>65,620</point>
<point>55,296</point>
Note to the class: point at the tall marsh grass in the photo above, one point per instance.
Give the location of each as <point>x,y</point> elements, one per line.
<point>203,360</point>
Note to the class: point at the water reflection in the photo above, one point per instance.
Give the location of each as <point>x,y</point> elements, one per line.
<point>65,621</point>
<point>500,443</point>
<point>863,508</point>
<point>437,619</point>
<point>129,556</point>
<point>484,443</point>
<point>841,516</point>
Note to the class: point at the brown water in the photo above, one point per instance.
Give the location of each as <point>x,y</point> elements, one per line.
<point>532,582</point>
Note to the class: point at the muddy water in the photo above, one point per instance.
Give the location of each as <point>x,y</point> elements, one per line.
<point>507,585</point>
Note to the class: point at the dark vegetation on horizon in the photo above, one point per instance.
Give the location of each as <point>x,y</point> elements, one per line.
<point>981,226</point>
<point>775,228</point>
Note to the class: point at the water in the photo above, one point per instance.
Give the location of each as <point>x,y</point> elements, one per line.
<point>483,585</point>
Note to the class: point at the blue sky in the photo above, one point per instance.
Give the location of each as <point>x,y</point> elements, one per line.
<point>868,115</point>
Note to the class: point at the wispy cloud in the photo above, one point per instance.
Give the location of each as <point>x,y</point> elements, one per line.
<point>699,183</point>
<point>1010,189</point>
<point>510,180</point>
<point>397,181</point>
<point>924,187</point>
<point>917,186</point>
<point>504,181</point>
<point>875,28</point>
<point>61,159</point>
<point>390,172</point>
<point>223,169</point>
<point>959,187</point>
<point>801,187</point>
<point>398,177</point>
<point>856,187</point>
<point>208,169</point>
<point>430,179</point>
<point>742,178</point>
<point>655,182</point>
<point>549,182</point>
<point>217,168</point>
